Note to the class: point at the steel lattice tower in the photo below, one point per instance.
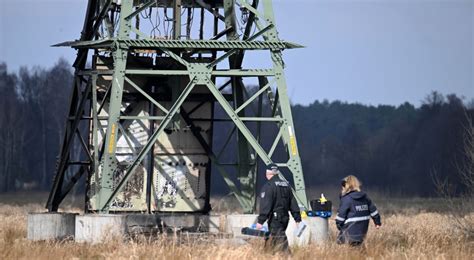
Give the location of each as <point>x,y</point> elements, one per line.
<point>147,84</point>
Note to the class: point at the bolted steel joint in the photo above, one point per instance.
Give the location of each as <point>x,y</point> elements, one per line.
<point>200,73</point>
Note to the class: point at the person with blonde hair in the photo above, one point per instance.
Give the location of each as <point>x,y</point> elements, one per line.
<point>354,213</point>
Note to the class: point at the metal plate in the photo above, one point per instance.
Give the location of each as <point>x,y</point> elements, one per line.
<point>180,164</point>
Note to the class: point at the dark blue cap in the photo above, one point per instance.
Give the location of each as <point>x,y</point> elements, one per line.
<point>272,167</point>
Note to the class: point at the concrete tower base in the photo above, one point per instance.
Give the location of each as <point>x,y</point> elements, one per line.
<point>51,226</point>
<point>96,228</point>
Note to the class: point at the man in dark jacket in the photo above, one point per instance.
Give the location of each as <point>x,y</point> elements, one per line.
<point>276,200</point>
<point>355,211</point>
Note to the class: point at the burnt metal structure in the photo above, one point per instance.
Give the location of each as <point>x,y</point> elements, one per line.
<point>149,78</point>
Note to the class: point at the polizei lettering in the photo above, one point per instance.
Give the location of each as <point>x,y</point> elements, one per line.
<point>362,207</point>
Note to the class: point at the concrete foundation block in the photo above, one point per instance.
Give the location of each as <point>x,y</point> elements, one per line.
<point>142,224</point>
<point>211,223</point>
<point>316,232</point>
<point>235,223</point>
<point>170,222</point>
<point>319,229</point>
<point>51,226</point>
<point>186,222</point>
<point>96,228</point>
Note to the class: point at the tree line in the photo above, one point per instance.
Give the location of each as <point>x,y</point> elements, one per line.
<point>33,108</point>
<point>391,148</point>
<point>395,149</point>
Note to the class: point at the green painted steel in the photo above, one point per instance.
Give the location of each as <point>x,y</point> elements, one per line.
<point>109,163</point>
<point>128,67</point>
<point>169,116</point>
<point>183,44</point>
<point>287,128</point>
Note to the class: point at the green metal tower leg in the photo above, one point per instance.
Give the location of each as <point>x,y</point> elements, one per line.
<point>287,127</point>
<point>109,162</point>
<point>288,131</point>
<point>246,173</point>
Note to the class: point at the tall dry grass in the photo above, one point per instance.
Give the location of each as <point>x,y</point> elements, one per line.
<point>417,235</point>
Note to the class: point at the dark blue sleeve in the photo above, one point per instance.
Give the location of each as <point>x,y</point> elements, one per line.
<point>374,213</point>
<point>267,199</point>
<point>342,212</point>
<point>294,208</point>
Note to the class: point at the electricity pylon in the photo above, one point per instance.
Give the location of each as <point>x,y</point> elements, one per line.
<point>149,76</point>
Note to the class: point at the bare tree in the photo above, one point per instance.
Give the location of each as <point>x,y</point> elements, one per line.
<point>461,203</point>
<point>11,130</point>
<point>46,92</point>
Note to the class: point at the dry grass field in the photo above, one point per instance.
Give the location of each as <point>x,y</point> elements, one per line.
<point>413,229</point>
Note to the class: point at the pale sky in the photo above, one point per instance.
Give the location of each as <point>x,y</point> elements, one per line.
<point>366,51</point>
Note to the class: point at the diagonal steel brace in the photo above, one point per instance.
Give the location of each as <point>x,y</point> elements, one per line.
<point>131,169</point>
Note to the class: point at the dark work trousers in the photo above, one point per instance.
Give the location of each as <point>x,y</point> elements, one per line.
<point>353,233</point>
<point>277,241</point>
<point>343,238</point>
